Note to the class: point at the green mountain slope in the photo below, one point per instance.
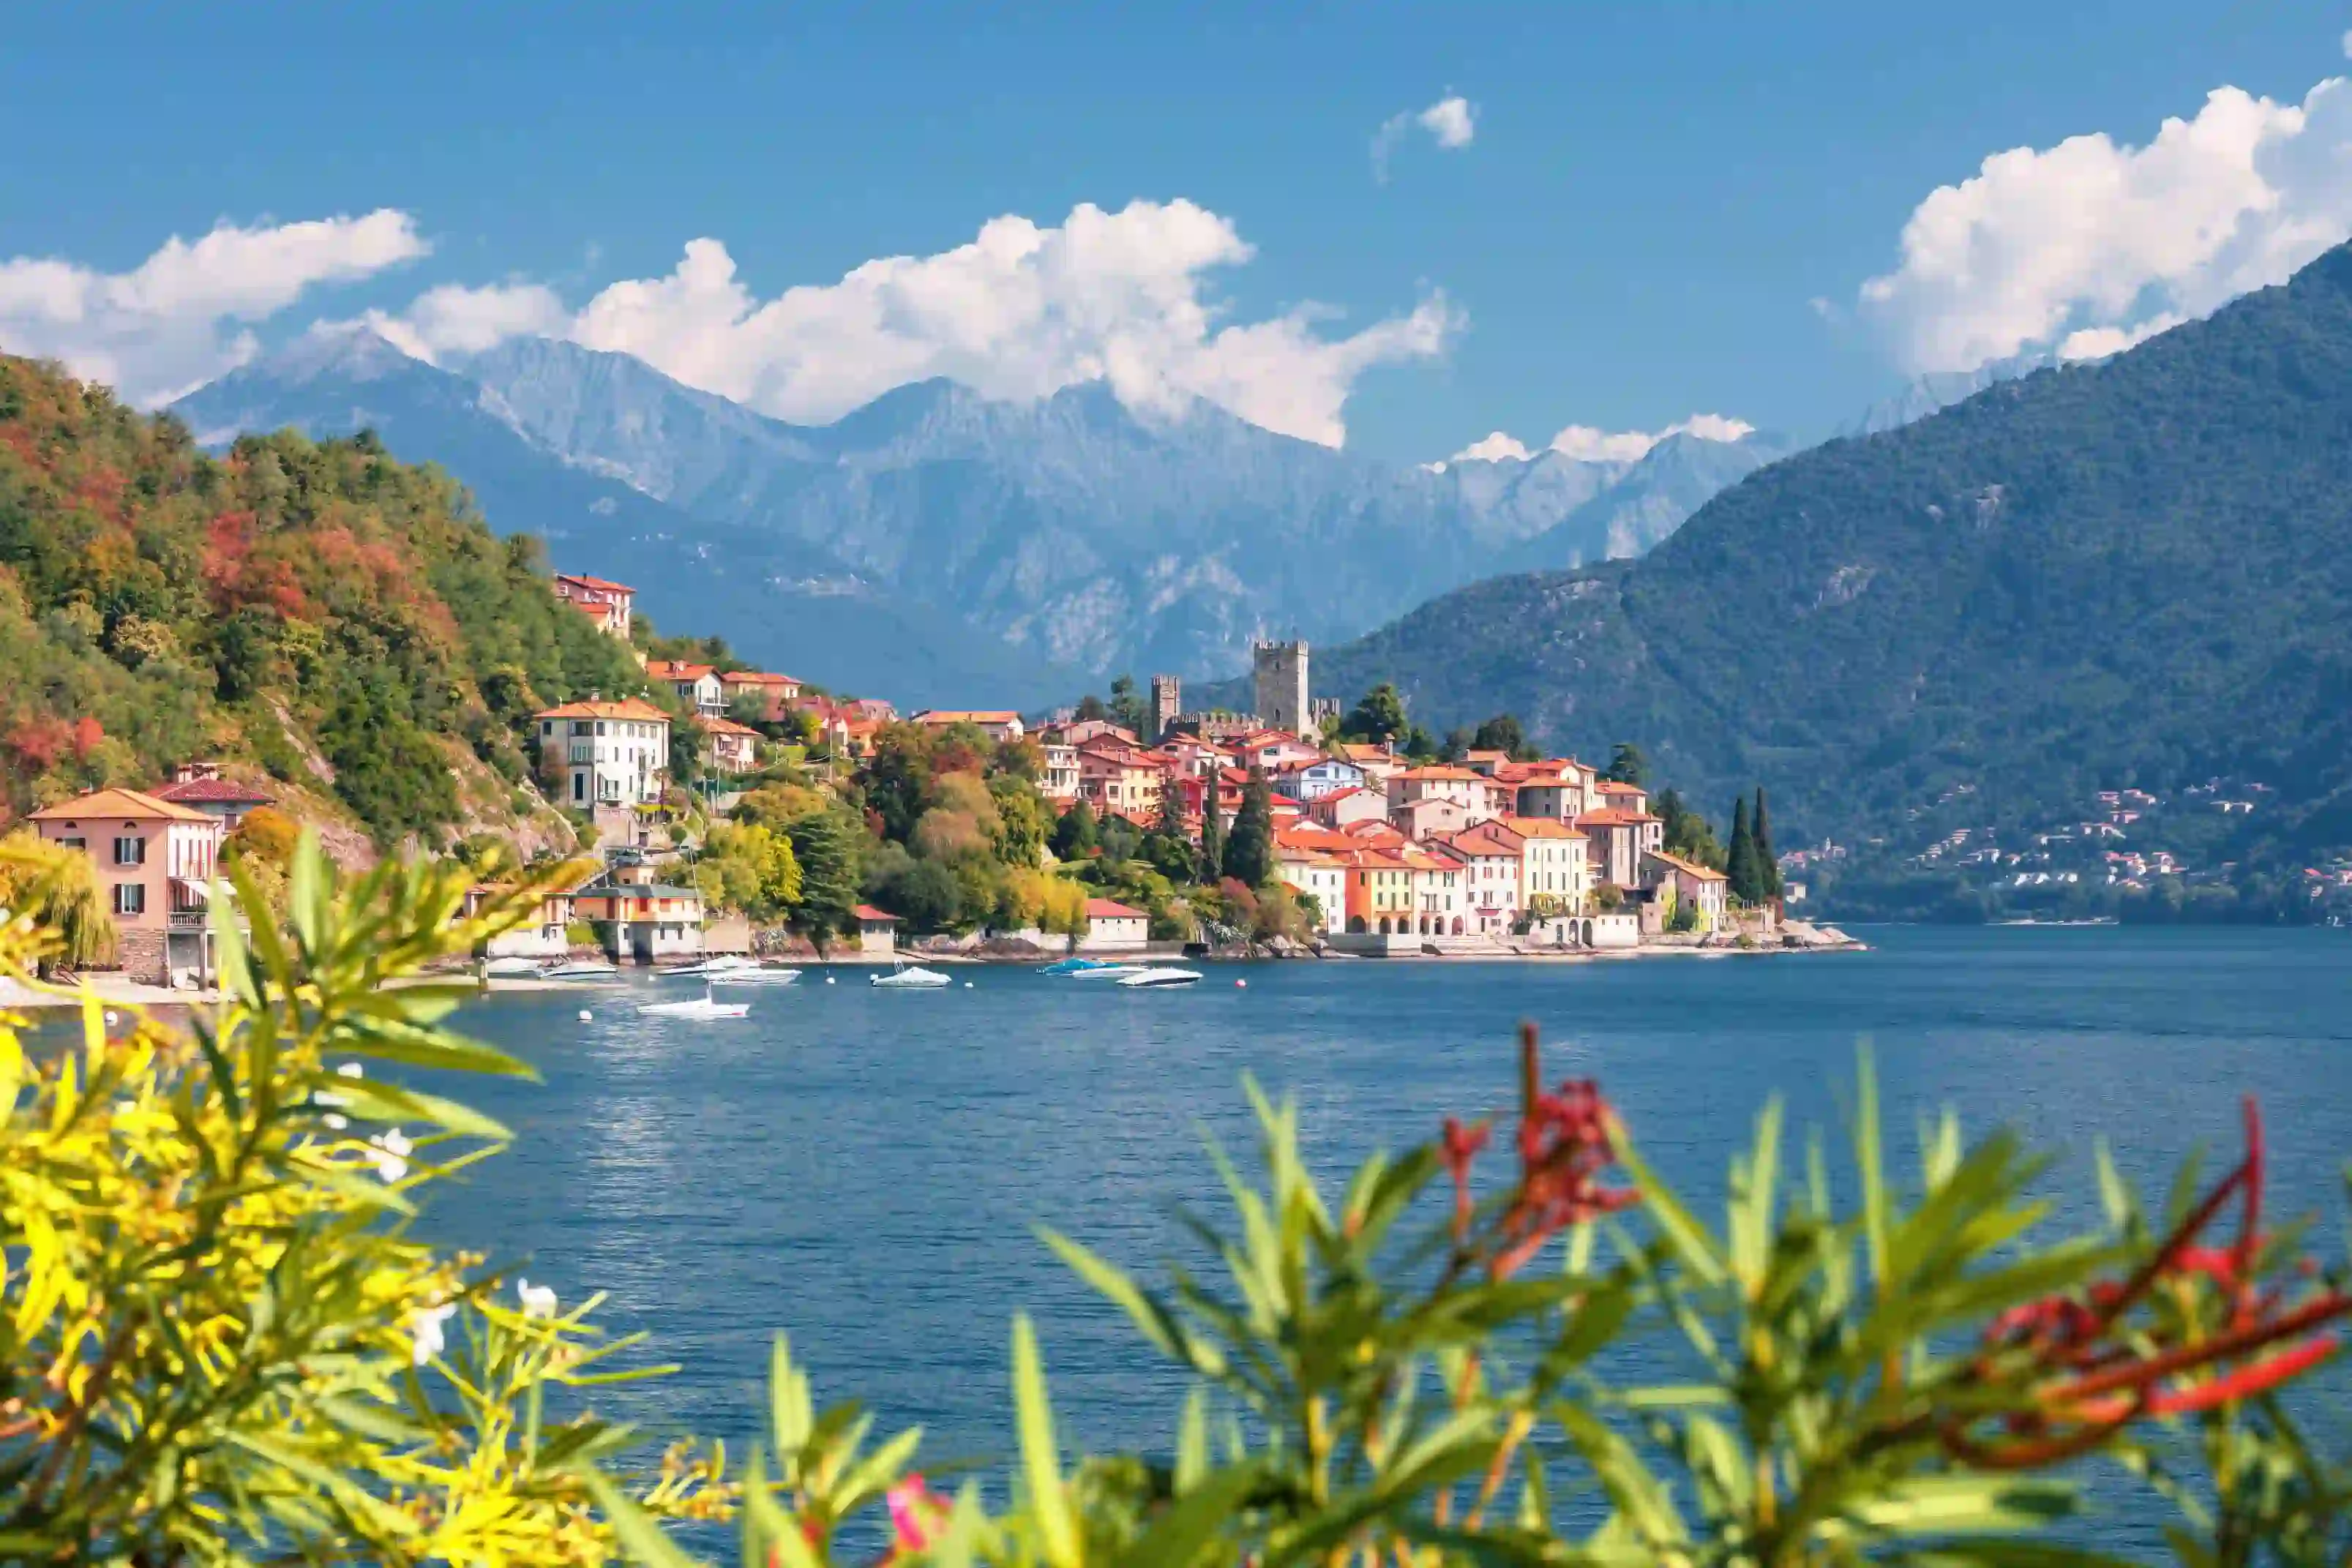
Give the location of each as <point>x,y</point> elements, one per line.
<point>319,612</point>
<point>2129,573</point>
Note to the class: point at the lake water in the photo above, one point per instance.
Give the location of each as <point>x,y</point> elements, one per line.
<point>862,1167</point>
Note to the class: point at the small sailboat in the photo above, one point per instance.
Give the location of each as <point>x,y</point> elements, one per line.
<point>754,975</point>
<point>1158,979</point>
<point>579,969</point>
<point>704,1007</point>
<point>905,977</point>
<point>711,968</point>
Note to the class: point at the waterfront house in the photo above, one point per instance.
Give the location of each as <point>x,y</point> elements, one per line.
<point>605,753</point>
<point>697,686</point>
<point>1343,807</point>
<point>774,693</point>
<point>202,785</point>
<point>1436,892</point>
<point>1379,891</point>
<point>546,935</point>
<point>1113,928</point>
<point>728,747</point>
<point>1692,885</point>
<point>638,918</point>
<point>1115,777</point>
<point>1556,870</point>
<point>1310,781</point>
<point>1620,838</point>
<point>605,602</point>
<point>1320,874</point>
<point>877,932</point>
<point>154,862</point>
<point>1493,867</point>
<point>1431,814</point>
<point>997,724</point>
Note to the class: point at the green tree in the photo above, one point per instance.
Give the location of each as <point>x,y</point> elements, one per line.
<point>1627,765</point>
<point>1126,708</point>
<point>824,845</point>
<point>1504,733</point>
<point>897,779</point>
<point>59,888</point>
<point>1378,716</point>
<point>924,893</point>
<point>1023,820</point>
<point>1456,746</point>
<point>1212,849</point>
<point>1747,885</point>
<point>1768,863</point>
<point>1249,853</point>
<point>1074,837</point>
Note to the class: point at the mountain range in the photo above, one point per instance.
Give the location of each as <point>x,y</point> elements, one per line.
<point>2131,572</point>
<point>937,545</point>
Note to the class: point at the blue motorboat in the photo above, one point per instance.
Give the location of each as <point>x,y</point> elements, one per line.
<point>1075,965</point>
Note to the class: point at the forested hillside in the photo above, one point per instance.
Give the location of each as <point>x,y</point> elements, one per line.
<point>320,611</point>
<point>2132,573</point>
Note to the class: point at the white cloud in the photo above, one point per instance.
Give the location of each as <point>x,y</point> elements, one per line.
<point>2346,42</point>
<point>455,319</point>
<point>179,319</point>
<point>1020,312</point>
<point>1589,444</point>
<point>1450,122</point>
<point>2090,243</point>
<point>2098,342</point>
<point>1497,447</point>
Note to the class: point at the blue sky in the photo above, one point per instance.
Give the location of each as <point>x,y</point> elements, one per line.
<point>1658,212</point>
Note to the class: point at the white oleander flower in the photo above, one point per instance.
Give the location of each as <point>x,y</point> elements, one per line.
<point>351,1070</point>
<point>424,1335</point>
<point>390,1154</point>
<point>538,1301</point>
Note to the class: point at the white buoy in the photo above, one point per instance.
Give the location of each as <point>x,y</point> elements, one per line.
<point>113,1017</point>
<point>585,1014</point>
<point>967,985</point>
<point>828,979</point>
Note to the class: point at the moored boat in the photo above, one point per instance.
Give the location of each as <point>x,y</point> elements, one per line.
<point>512,969</point>
<point>1158,979</point>
<point>1075,965</point>
<point>910,978</point>
<point>1104,971</point>
<point>703,1007</point>
<point>579,969</point>
<point>756,975</point>
<point>716,965</point>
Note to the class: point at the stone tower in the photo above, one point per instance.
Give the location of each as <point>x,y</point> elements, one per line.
<point>1167,702</point>
<point>1281,671</point>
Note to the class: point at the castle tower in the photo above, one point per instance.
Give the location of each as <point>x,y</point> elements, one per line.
<point>1167,702</point>
<point>1281,672</point>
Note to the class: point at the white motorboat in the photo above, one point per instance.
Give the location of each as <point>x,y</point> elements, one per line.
<point>511,969</point>
<point>1119,972</point>
<point>579,969</point>
<point>702,1007</point>
<point>910,978</point>
<point>1157,979</point>
<point>756,975</point>
<point>710,969</point>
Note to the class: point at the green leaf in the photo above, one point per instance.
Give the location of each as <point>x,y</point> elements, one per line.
<point>1193,1441</point>
<point>1691,1242</point>
<point>1146,1311</point>
<point>1041,1461</point>
<point>1180,1532</point>
<point>389,1040</point>
<point>640,1537</point>
<point>1876,1205</point>
<point>1919,1505</point>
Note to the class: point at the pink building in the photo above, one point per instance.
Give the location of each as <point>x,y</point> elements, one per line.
<point>605,602</point>
<point>154,862</point>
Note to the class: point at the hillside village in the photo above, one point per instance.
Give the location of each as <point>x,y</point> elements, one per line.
<point>1358,847</point>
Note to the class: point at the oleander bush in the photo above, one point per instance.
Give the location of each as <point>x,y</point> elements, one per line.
<point>222,1343</point>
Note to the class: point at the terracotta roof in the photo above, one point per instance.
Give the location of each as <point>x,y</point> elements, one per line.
<point>127,803</point>
<point>867,912</point>
<point>226,791</point>
<point>1613,817</point>
<point>709,726</point>
<point>1110,909</point>
<point>1485,838</point>
<point>1541,828</point>
<point>628,707</point>
<point>755,678</point>
<point>1688,868</point>
<point>1441,770</point>
<point>1618,787</point>
<point>675,670</point>
<point>1363,751</point>
<point>586,581</point>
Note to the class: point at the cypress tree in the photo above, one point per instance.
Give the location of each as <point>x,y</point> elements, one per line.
<point>1213,851</point>
<point>1249,853</point>
<point>1768,865</point>
<point>1741,873</point>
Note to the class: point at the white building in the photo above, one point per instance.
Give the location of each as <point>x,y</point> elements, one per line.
<point>1556,865</point>
<point>697,684</point>
<point>608,753</point>
<point>1114,927</point>
<point>1322,876</point>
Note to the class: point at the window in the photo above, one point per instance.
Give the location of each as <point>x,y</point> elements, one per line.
<point>581,726</point>
<point>580,786</point>
<point>546,728</point>
<point>82,844</point>
<point>600,726</point>
<point>130,898</point>
<point>130,852</point>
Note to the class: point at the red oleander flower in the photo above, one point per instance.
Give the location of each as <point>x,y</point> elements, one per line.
<point>1565,1146</point>
<point>916,1514</point>
<point>2091,1379</point>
